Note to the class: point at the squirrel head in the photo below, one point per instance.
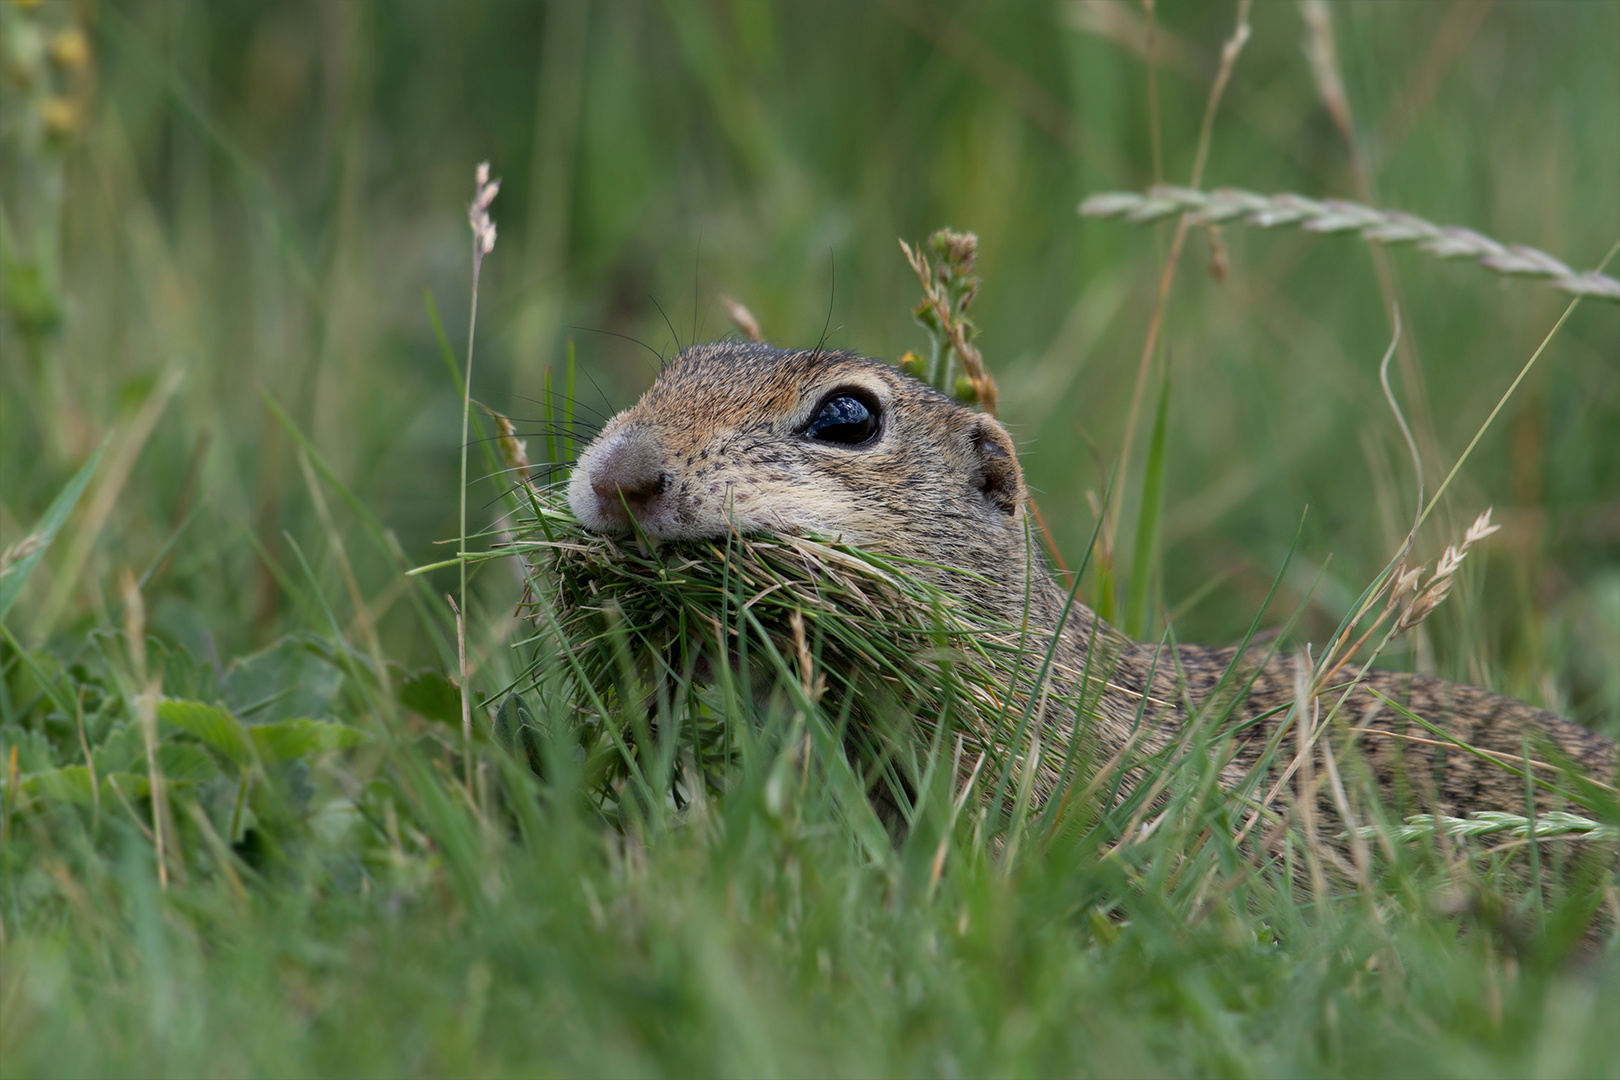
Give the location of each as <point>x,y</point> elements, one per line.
<point>737,435</point>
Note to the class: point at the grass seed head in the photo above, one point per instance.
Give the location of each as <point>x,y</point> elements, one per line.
<point>742,319</point>
<point>19,551</point>
<point>1438,588</point>
<point>478,212</point>
<point>1338,215</point>
<point>514,451</point>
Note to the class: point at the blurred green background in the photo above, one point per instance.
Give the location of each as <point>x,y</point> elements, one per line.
<point>257,196</point>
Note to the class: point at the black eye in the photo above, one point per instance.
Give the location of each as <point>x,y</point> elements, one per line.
<point>844,419</point>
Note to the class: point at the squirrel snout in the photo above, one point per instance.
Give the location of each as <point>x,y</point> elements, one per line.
<point>631,470</point>
<point>627,473</point>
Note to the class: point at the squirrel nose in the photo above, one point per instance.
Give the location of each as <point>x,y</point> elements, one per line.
<point>632,470</point>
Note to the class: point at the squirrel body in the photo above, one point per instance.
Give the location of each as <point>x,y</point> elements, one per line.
<point>745,436</point>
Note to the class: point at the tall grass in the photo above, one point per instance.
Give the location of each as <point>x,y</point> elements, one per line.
<point>218,224</point>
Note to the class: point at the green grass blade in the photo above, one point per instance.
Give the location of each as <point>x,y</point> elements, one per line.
<point>454,369</point>
<point>373,527</point>
<point>14,577</point>
<point>1144,560</point>
<point>551,424</point>
<point>568,409</point>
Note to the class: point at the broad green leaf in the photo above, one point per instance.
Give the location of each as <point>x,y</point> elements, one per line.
<point>185,763</point>
<point>430,694</point>
<point>15,576</point>
<point>243,744</point>
<point>288,739</point>
<point>71,784</point>
<point>212,724</point>
<point>120,749</point>
<point>182,766</point>
<point>516,730</point>
<point>132,785</point>
<point>508,719</point>
<point>34,751</point>
<point>287,680</point>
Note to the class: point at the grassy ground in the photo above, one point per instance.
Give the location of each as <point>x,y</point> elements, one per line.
<point>229,231</point>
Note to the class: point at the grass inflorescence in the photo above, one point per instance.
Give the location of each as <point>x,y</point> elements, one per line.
<point>1328,216</point>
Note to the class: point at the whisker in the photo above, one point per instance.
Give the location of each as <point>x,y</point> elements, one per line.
<point>832,292</point>
<point>672,331</point>
<point>576,402</point>
<point>595,386</point>
<point>626,337</point>
<point>516,488</point>
<point>697,267</point>
<point>531,434</point>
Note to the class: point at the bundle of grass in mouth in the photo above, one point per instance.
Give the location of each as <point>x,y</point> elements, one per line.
<point>663,644</point>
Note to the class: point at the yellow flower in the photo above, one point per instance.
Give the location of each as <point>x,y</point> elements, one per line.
<point>61,116</point>
<point>70,50</point>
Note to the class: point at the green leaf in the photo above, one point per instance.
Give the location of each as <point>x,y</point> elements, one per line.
<point>132,785</point>
<point>288,739</point>
<point>508,719</point>
<point>34,751</point>
<point>430,694</point>
<point>15,576</point>
<point>186,763</point>
<point>213,725</point>
<point>120,749</point>
<point>289,679</point>
<point>243,744</point>
<point>70,785</point>
<point>517,732</point>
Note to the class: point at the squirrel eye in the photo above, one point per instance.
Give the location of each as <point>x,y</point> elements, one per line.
<point>843,419</point>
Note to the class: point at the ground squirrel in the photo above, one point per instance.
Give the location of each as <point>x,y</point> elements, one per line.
<point>764,440</point>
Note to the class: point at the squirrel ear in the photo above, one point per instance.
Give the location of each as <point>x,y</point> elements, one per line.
<point>998,479</point>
